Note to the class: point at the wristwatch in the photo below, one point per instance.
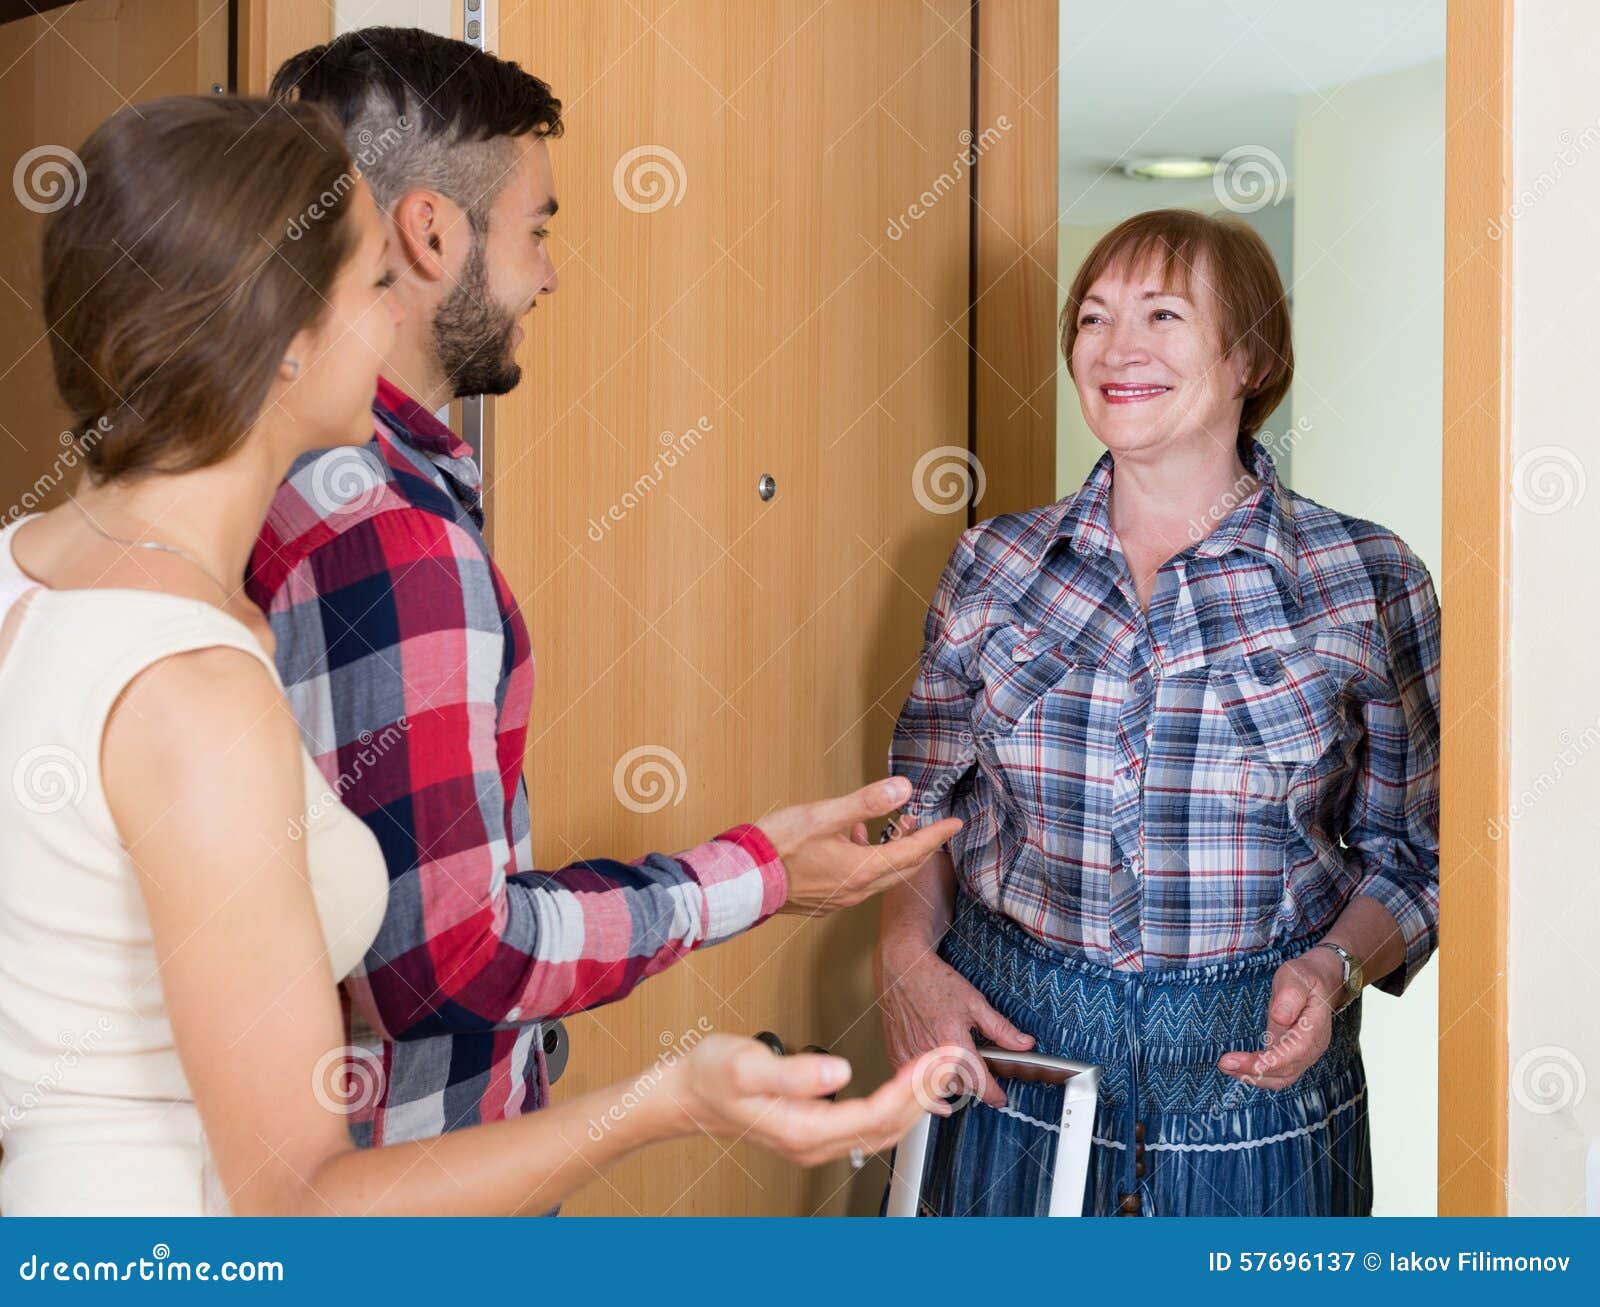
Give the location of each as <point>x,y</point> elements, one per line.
<point>1350,990</point>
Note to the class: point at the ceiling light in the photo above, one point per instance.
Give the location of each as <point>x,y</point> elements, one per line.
<point>1170,168</point>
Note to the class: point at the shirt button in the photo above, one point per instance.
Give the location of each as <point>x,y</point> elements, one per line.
<point>1266,669</point>
<point>513,1014</point>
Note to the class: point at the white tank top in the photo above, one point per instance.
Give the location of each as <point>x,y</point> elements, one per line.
<point>96,1116</point>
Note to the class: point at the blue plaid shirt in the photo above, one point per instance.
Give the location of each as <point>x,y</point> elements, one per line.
<point>1216,777</point>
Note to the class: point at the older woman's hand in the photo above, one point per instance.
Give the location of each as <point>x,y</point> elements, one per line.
<point>925,1001</point>
<point>928,1003</point>
<point>1299,1021</point>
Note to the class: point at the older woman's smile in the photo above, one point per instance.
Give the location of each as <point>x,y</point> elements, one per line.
<point>1124,393</point>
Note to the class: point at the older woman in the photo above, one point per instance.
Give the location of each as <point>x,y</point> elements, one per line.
<point>1190,719</point>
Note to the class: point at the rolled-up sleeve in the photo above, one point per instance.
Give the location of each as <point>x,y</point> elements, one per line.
<point>391,645</point>
<point>1394,813</point>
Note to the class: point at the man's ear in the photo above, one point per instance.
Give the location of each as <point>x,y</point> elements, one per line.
<point>423,223</point>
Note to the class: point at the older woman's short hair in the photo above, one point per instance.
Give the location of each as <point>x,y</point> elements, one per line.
<point>1237,268</point>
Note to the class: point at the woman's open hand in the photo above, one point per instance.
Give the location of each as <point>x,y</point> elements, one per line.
<point>829,863</point>
<point>737,1088</point>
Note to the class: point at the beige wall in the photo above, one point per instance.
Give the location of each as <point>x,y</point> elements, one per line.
<point>1076,447</point>
<point>1553,948</point>
<point>1369,259</point>
<point>431,15</point>
<point>1368,324</point>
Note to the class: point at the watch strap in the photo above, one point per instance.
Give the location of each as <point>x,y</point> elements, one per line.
<point>1349,987</point>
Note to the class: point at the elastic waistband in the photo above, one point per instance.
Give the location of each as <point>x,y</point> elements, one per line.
<point>1081,1009</point>
<point>979,917</point>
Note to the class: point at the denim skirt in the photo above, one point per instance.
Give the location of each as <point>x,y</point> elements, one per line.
<point>1174,1135</point>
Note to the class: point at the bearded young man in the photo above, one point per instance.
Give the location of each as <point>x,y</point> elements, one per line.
<point>407,660</point>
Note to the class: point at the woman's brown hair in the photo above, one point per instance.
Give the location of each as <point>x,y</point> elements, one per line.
<point>208,232</point>
<point>1237,268</point>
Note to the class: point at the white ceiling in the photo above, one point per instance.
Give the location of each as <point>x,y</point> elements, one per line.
<point>1150,77</point>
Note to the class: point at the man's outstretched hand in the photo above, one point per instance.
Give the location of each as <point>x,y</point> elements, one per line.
<point>828,867</point>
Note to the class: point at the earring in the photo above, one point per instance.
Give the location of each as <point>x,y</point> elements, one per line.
<point>294,367</point>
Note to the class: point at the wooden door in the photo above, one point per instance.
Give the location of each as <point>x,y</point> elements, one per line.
<point>743,285</point>
<point>62,73</point>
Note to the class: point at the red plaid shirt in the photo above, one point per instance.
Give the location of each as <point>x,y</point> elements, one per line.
<point>409,669</point>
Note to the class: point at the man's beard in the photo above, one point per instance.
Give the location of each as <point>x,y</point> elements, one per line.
<point>473,335</point>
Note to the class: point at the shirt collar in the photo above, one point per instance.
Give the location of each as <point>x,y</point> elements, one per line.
<point>1086,516</point>
<point>418,427</point>
<point>1261,523</point>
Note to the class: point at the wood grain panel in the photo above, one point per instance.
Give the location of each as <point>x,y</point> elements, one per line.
<point>765,646</point>
<point>61,74</point>
<point>272,30</point>
<point>1016,130</point>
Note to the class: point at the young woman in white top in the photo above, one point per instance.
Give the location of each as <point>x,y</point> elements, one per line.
<point>178,891</point>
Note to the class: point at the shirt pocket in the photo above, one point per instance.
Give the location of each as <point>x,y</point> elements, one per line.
<point>1281,703</point>
<point>1282,711</point>
<point>1017,667</point>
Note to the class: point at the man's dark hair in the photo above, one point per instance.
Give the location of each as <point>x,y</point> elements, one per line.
<point>423,111</point>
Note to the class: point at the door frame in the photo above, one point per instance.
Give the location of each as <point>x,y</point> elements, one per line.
<point>1015,342</point>
<point>1475,595</point>
<point>1012,431</point>
<point>261,36</point>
